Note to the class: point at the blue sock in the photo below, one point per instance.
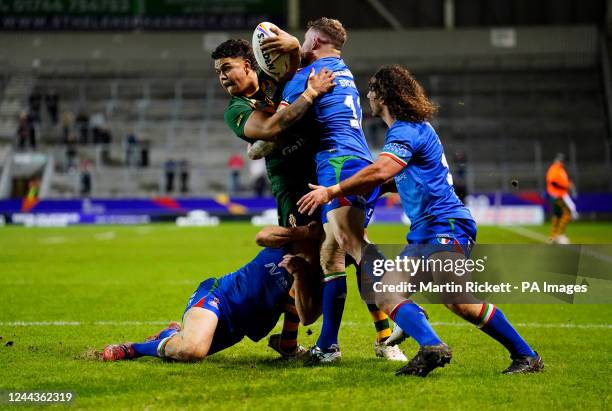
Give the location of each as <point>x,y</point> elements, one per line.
<point>494,323</point>
<point>167,333</point>
<point>334,296</point>
<point>412,320</point>
<point>147,348</point>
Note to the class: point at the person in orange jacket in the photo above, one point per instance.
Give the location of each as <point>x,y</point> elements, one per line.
<point>558,187</point>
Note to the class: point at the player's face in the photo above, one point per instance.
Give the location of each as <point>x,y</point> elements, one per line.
<point>308,46</point>
<point>375,103</point>
<point>233,74</point>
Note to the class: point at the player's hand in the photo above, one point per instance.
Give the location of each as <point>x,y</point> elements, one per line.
<point>282,43</point>
<point>320,83</point>
<point>293,264</point>
<point>317,197</point>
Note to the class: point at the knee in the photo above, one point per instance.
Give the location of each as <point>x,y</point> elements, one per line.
<point>462,310</point>
<point>193,352</point>
<point>332,259</point>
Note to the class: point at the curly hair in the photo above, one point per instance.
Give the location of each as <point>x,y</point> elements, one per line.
<point>235,48</point>
<point>402,94</point>
<point>330,28</point>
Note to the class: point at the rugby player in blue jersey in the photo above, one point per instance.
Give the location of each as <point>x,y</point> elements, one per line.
<point>246,302</point>
<point>414,157</point>
<point>333,126</point>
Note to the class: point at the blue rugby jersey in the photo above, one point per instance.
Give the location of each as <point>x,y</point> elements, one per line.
<point>254,295</point>
<point>336,115</point>
<point>425,184</point>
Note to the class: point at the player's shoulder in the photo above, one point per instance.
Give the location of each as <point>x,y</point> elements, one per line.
<point>407,130</point>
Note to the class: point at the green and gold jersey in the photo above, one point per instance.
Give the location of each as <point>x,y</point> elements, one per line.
<point>291,167</point>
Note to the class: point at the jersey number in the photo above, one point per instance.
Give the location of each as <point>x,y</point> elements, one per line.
<point>350,103</point>
<point>449,176</point>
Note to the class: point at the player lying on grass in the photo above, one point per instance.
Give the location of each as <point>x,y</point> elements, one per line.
<point>414,157</point>
<point>247,302</point>
<point>251,115</point>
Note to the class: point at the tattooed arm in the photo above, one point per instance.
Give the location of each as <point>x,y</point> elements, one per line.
<point>263,126</point>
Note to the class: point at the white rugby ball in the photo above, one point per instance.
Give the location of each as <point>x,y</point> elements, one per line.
<point>273,64</point>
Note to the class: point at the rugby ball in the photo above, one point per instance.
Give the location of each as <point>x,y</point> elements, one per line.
<point>273,64</point>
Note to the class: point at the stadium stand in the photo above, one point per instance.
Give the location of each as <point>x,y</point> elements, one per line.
<point>543,96</point>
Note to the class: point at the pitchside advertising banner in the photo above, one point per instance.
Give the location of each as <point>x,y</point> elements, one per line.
<point>138,14</point>
<point>516,274</point>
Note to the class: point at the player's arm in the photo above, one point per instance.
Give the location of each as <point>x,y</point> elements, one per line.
<point>363,182</point>
<point>306,287</point>
<point>275,236</point>
<point>284,43</point>
<point>261,149</point>
<point>388,186</point>
<point>263,126</point>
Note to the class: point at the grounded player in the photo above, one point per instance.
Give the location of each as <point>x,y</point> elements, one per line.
<point>251,116</point>
<point>246,302</point>
<point>414,157</point>
<point>341,151</point>
<point>558,187</point>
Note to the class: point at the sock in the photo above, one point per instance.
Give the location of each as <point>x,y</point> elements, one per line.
<point>148,348</point>
<point>291,323</point>
<point>554,231</point>
<point>412,320</point>
<point>381,323</point>
<point>381,320</point>
<point>494,323</point>
<point>564,220</point>
<point>168,332</point>
<point>334,296</point>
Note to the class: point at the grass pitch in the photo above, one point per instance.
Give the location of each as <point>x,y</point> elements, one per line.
<point>66,292</point>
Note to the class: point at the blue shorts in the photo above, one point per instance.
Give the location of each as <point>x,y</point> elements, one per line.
<point>333,170</point>
<point>447,234</point>
<point>208,296</point>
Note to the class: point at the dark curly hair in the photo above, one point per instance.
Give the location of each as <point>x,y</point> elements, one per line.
<point>235,48</point>
<point>402,94</point>
<point>330,28</point>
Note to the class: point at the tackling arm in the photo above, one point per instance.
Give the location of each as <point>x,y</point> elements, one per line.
<point>275,236</point>
<point>363,182</point>
<point>306,287</point>
<point>263,126</point>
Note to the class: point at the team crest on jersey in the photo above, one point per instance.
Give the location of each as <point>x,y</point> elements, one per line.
<point>213,302</point>
<point>292,220</point>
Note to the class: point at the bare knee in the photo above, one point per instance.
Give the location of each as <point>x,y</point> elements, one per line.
<point>466,311</point>
<point>192,352</point>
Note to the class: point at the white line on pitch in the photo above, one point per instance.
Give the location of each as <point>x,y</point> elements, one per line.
<point>525,232</point>
<point>109,235</point>
<point>348,323</point>
<point>53,240</point>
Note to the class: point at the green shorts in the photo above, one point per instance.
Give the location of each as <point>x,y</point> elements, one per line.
<point>286,205</point>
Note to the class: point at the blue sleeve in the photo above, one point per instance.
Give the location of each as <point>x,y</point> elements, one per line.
<point>399,147</point>
<point>294,88</point>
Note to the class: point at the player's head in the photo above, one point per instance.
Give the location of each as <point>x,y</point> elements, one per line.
<point>323,34</point>
<point>560,158</point>
<point>235,65</point>
<point>395,88</point>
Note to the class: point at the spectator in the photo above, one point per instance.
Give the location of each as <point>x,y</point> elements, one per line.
<point>131,149</point>
<point>257,169</point>
<point>26,133</point>
<point>85,188</point>
<point>34,103</point>
<point>97,123</point>
<point>68,123</point>
<point>82,123</point>
<point>52,102</point>
<point>183,167</point>
<point>169,170</point>
<point>235,165</point>
<point>71,150</point>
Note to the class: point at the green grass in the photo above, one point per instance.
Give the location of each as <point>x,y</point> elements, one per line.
<point>115,274</point>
